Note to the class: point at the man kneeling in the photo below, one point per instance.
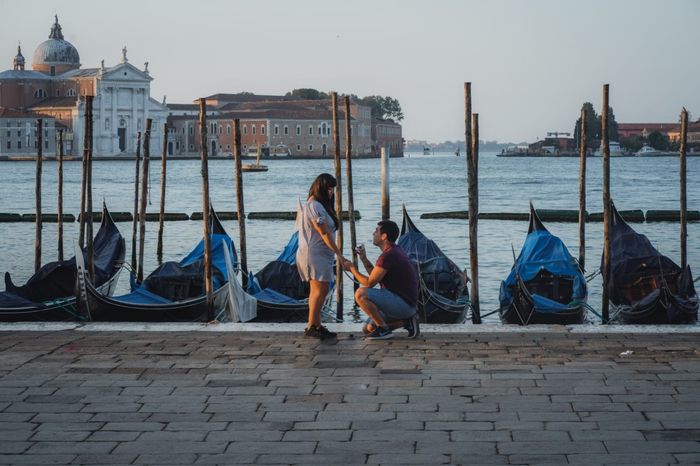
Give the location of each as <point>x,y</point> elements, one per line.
<point>394,304</point>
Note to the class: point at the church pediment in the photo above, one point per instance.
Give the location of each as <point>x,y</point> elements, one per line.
<point>126,72</point>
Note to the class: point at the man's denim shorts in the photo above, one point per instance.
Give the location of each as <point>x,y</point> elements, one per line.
<point>390,305</point>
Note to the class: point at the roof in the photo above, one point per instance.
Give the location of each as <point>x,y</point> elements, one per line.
<point>56,102</point>
<point>80,73</point>
<point>13,113</point>
<point>183,106</point>
<point>647,126</point>
<point>24,74</point>
<point>248,97</point>
<point>268,114</point>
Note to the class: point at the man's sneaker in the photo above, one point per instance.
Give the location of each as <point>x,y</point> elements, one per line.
<point>412,326</point>
<point>380,333</point>
<point>321,333</point>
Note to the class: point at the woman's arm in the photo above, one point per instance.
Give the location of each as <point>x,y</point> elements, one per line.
<point>325,234</point>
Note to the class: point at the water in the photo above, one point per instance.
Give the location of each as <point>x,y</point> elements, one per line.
<point>424,183</point>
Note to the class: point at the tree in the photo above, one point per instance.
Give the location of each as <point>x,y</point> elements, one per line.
<point>307,94</point>
<point>594,127</point>
<point>383,107</point>
<point>658,140</point>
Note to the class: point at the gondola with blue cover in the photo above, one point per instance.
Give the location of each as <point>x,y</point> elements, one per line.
<point>545,285</point>
<point>175,291</point>
<point>646,287</point>
<point>50,294</point>
<point>444,294</point>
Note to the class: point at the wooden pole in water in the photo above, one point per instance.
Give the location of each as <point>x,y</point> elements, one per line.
<point>206,205</point>
<point>240,205</point>
<point>386,204</point>
<point>161,217</point>
<point>471,137</point>
<point>144,195</point>
<point>684,202</point>
<point>338,207</point>
<point>37,192</point>
<point>88,192</point>
<point>134,263</point>
<point>582,196</point>
<point>60,194</point>
<point>606,205</point>
<point>474,220</point>
<point>348,171</point>
<point>81,233</point>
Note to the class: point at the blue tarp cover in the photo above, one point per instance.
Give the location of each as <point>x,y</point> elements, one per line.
<point>542,250</point>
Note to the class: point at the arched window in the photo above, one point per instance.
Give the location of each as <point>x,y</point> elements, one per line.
<point>40,94</point>
<point>107,124</point>
<point>70,93</point>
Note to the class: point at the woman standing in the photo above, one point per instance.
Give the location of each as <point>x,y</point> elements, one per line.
<point>317,249</point>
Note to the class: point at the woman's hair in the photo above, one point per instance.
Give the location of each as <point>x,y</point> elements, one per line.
<point>319,191</point>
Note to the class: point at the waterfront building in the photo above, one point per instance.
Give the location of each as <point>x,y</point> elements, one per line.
<point>56,87</point>
<point>643,130</point>
<point>280,126</point>
<point>18,133</point>
<point>693,140</point>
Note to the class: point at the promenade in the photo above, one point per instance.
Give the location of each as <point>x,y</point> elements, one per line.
<point>194,394</point>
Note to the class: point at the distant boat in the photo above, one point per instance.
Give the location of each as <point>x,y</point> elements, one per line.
<point>457,152</point>
<point>254,167</point>
<point>648,151</point>
<point>615,150</point>
<point>426,151</point>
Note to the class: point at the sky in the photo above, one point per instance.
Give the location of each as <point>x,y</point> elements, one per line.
<point>532,64</point>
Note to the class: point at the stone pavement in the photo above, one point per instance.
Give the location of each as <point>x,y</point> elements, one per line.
<point>518,398</point>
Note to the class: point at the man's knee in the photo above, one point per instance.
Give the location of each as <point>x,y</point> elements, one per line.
<point>361,294</point>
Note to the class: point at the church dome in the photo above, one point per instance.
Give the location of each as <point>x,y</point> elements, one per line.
<point>56,54</point>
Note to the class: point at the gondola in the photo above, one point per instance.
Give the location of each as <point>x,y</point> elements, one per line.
<point>444,295</point>
<point>281,294</point>
<point>545,285</point>
<point>50,294</point>
<point>646,287</point>
<point>174,292</point>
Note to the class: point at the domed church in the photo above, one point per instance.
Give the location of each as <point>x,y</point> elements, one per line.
<point>55,88</point>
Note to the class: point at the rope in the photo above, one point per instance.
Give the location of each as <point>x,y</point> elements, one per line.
<point>592,275</point>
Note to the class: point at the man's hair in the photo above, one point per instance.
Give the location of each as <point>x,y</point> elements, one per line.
<point>390,228</point>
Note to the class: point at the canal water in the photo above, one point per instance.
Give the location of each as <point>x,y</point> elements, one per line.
<point>423,183</point>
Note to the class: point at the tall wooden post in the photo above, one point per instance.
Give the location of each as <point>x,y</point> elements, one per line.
<point>134,263</point>
<point>88,191</point>
<point>37,192</point>
<point>206,213</point>
<point>161,217</point>
<point>83,190</point>
<point>348,171</point>
<point>144,196</point>
<point>338,207</point>
<point>684,202</point>
<point>240,205</point>
<point>606,205</point>
<point>60,194</point>
<point>582,196</point>
<point>471,135</point>
<point>386,202</point>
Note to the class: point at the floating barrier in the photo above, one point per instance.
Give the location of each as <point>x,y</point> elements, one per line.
<point>629,216</point>
<point>168,216</point>
<point>5,217</point>
<point>671,216</point>
<point>116,216</point>
<point>225,215</point>
<point>290,215</point>
<point>549,215</point>
<point>49,218</point>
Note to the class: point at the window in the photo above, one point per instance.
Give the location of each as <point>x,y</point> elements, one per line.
<point>19,144</point>
<point>46,144</point>
<point>311,147</point>
<point>40,94</point>
<point>191,146</point>
<point>286,130</point>
<point>221,129</point>
<point>311,130</point>
<point>191,130</point>
<point>70,93</point>
<point>9,145</point>
<point>107,125</point>
<point>254,128</point>
<point>319,130</point>
<point>228,146</point>
<point>298,130</point>
<point>228,129</point>
<point>262,129</point>
<point>277,130</point>
<point>245,129</point>
<point>58,93</point>
<point>245,148</point>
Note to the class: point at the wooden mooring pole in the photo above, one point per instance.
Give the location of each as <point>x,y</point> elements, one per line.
<point>88,191</point>
<point>60,194</point>
<point>606,205</point>
<point>161,216</point>
<point>582,196</point>
<point>144,196</point>
<point>240,205</point>
<point>471,136</point>
<point>134,263</point>
<point>683,196</point>
<point>37,192</point>
<point>81,233</point>
<point>338,207</point>
<point>386,203</point>
<point>348,171</point>
<point>206,205</point>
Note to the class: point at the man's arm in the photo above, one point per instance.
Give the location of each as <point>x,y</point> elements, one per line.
<point>375,276</point>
